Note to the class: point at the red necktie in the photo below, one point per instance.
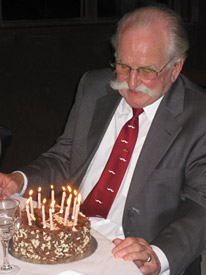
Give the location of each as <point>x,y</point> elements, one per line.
<point>100,199</point>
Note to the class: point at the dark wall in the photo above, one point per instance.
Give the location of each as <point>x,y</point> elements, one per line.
<point>39,71</point>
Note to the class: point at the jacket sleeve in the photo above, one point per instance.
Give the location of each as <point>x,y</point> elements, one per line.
<point>185,238</point>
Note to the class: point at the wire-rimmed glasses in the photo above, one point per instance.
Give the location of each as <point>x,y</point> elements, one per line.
<point>144,72</point>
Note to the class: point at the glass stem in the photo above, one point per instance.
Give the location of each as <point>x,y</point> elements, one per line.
<point>5,246</point>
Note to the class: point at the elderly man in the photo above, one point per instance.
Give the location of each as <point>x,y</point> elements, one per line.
<point>143,175</point>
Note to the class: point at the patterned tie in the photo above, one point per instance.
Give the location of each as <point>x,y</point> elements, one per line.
<point>100,199</point>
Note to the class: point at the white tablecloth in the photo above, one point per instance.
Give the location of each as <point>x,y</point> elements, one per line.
<point>101,262</point>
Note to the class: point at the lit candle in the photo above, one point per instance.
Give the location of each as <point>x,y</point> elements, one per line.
<point>77,210</point>
<point>67,209</point>
<point>69,189</point>
<point>31,202</point>
<point>43,213</point>
<point>39,198</point>
<point>63,199</point>
<point>74,204</point>
<point>50,216</point>
<point>52,197</point>
<point>52,193</point>
<point>28,213</point>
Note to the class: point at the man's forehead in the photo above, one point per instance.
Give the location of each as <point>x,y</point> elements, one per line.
<point>142,41</point>
<point>149,33</point>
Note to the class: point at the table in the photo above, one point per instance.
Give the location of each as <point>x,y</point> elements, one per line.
<point>101,262</point>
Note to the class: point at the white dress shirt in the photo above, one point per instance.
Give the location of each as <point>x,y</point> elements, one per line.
<point>112,226</point>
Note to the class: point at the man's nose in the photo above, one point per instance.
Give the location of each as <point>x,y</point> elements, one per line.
<point>133,79</point>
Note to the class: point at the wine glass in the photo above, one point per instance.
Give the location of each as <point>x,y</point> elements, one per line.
<point>10,218</point>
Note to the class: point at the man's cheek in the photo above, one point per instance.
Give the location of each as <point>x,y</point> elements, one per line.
<point>121,77</point>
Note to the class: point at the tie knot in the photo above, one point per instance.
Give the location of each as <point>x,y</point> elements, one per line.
<point>137,112</point>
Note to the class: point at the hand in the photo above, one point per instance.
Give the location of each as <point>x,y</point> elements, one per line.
<point>10,184</point>
<point>139,251</point>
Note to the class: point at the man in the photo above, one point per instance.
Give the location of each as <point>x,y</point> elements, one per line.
<point>157,218</point>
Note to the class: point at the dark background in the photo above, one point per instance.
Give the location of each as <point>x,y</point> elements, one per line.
<point>45,47</point>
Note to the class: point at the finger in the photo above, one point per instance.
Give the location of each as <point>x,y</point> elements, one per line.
<point>130,251</point>
<point>117,241</point>
<point>139,263</point>
<point>149,268</point>
<point>121,245</point>
<point>9,190</point>
<point>6,193</point>
<point>141,256</point>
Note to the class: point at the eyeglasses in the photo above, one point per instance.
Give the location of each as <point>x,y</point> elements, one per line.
<point>144,73</point>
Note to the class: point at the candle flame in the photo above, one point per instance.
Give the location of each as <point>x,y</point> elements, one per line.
<point>75,192</point>
<point>63,188</point>
<point>69,189</point>
<point>39,189</point>
<point>30,192</point>
<point>52,187</point>
<point>44,201</point>
<point>53,203</point>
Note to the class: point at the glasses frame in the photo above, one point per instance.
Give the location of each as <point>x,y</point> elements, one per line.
<point>114,65</point>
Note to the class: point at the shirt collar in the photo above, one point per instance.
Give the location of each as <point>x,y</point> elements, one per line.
<point>149,110</point>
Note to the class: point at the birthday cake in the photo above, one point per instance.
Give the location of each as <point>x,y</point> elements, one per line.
<point>34,243</point>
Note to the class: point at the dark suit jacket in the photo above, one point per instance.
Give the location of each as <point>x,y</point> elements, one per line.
<point>166,203</point>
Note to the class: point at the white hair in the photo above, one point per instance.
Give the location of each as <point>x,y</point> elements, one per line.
<point>150,16</point>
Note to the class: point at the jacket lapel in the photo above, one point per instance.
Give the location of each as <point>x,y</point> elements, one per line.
<point>104,110</point>
<point>163,131</point>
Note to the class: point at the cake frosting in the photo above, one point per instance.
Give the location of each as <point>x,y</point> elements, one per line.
<point>43,245</point>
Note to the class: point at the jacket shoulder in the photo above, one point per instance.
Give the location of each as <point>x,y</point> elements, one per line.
<point>98,77</point>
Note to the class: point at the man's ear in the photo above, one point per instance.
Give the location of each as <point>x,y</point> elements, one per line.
<point>177,69</point>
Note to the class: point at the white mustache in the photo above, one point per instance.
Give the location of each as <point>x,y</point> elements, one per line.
<point>116,85</point>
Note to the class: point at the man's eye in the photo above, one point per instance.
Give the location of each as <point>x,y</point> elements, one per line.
<point>146,71</point>
<point>124,67</point>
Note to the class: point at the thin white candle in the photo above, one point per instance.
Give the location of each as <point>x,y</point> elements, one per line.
<point>31,202</point>
<point>66,215</point>
<point>28,213</point>
<point>52,193</point>
<point>39,198</point>
<point>63,199</point>
<point>76,214</point>
<point>70,200</point>
<point>74,204</point>
<point>52,198</point>
<point>43,213</point>
<point>50,217</point>
<point>77,210</point>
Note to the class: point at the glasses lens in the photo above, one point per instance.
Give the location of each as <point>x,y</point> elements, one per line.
<point>122,68</point>
<point>148,74</point>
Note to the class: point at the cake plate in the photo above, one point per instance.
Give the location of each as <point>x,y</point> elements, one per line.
<point>60,261</point>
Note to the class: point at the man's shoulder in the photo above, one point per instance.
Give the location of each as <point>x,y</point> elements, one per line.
<point>104,76</point>
<point>190,85</point>
<point>194,96</point>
